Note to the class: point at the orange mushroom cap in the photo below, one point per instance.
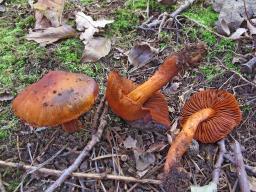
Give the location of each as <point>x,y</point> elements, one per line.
<point>226,116</point>
<point>154,112</point>
<point>57,98</point>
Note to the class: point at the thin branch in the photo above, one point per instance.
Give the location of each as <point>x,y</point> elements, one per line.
<point>243,78</point>
<point>85,152</point>
<point>240,168</point>
<point>217,166</point>
<point>100,176</point>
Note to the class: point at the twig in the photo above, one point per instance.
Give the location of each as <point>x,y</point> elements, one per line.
<point>217,166</point>
<point>158,21</point>
<point>240,168</point>
<point>249,168</point>
<point>101,176</point>
<point>244,79</point>
<point>97,113</point>
<point>85,152</point>
<point>2,189</point>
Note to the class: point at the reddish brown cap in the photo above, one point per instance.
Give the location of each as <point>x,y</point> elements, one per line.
<point>227,114</point>
<point>155,109</point>
<point>57,98</point>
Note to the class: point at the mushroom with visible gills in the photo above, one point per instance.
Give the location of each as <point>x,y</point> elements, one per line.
<point>143,105</point>
<point>58,98</point>
<point>208,116</point>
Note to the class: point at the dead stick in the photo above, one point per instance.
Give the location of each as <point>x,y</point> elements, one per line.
<point>240,168</point>
<point>249,168</point>
<point>100,176</point>
<point>217,166</point>
<point>182,8</point>
<point>2,189</point>
<point>85,152</point>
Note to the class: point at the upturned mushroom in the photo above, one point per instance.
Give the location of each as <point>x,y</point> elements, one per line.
<point>58,98</point>
<point>144,104</point>
<point>208,116</point>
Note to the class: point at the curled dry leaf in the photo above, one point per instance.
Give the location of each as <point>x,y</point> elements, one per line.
<point>143,159</point>
<point>48,13</point>
<point>5,96</point>
<point>252,28</point>
<point>141,54</point>
<point>51,34</point>
<point>238,33</point>
<point>130,143</point>
<point>96,48</point>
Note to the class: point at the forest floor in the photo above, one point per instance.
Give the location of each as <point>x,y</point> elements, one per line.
<point>23,62</point>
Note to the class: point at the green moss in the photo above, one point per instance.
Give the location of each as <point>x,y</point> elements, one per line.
<point>210,71</point>
<point>142,5</point>
<point>206,16</point>
<point>125,19</point>
<point>86,2</point>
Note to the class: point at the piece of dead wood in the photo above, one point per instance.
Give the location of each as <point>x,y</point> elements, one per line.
<point>240,168</point>
<point>99,176</point>
<point>85,152</point>
<point>163,20</point>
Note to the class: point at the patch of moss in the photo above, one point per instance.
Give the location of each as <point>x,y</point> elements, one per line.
<point>125,19</point>
<point>15,51</point>
<point>86,2</point>
<point>210,71</point>
<point>206,16</point>
<point>142,5</point>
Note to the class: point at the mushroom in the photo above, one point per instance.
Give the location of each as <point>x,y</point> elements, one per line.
<point>58,98</point>
<point>143,105</point>
<point>208,116</point>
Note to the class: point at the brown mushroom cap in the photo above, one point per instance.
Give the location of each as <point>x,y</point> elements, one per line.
<point>226,117</point>
<point>155,109</point>
<point>57,98</point>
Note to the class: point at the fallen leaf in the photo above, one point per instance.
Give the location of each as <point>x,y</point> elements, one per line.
<point>96,48</point>
<point>238,33</point>
<point>252,183</point>
<point>140,55</point>
<point>224,27</point>
<point>174,125</point>
<point>143,159</point>
<point>130,143</point>
<point>48,13</point>
<point>5,96</point>
<point>173,88</point>
<point>211,187</point>
<point>233,14</point>
<point>85,21</point>
<point>51,34</point>
<point>88,26</point>
<point>252,28</point>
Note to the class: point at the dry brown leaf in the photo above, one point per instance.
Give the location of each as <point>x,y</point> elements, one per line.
<point>238,33</point>
<point>130,143</point>
<point>88,26</point>
<point>51,34</point>
<point>224,27</point>
<point>141,54</point>
<point>48,13</point>
<point>143,159</point>
<point>96,48</point>
<point>252,28</point>
<point>5,96</point>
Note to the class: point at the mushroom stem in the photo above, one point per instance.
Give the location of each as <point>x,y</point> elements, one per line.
<point>72,126</point>
<point>162,76</point>
<point>185,137</point>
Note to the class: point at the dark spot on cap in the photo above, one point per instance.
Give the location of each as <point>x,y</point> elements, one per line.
<point>59,94</point>
<point>45,104</point>
<point>54,92</point>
